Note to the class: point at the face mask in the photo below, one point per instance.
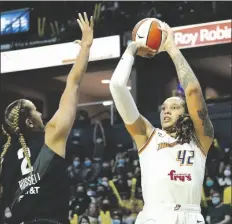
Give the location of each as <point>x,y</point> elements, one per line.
<point>76,163</point>
<point>209,183</point>
<point>105,183</point>
<point>121,161</point>
<point>88,163</point>
<point>91,193</point>
<point>215,200</point>
<point>227,173</point>
<point>116,221</point>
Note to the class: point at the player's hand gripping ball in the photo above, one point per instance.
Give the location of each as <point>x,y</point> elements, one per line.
<point>148,32</point>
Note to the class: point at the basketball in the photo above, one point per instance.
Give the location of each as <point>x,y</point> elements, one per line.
<point>147,31</point>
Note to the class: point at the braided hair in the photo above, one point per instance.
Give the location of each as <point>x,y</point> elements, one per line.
<point>12,122</point>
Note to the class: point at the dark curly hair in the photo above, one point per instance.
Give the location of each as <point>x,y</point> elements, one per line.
<point>184,127</point>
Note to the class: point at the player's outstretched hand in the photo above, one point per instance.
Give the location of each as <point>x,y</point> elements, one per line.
<point>87,30</point>
<point>169,36</point>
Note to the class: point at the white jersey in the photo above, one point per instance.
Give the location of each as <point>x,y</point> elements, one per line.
<point>171,173</point>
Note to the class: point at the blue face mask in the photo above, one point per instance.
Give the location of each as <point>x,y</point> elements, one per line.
<point>216,200</point>
<point>88,163</point>
<point>76,163</point>
<point>116,221</point>
<point>209,183</point>
<point>121,161</point>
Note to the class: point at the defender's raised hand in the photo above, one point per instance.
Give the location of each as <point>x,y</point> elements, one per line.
<point>87,30</point>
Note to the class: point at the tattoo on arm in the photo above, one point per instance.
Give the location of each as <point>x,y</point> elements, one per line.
<point>186,75</point>
<point>206,123</point>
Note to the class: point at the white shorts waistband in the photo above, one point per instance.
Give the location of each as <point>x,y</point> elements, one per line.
<point>173,207</point>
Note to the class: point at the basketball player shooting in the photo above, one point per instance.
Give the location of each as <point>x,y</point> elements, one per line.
<point>173,159</point>
<point>34,179</point>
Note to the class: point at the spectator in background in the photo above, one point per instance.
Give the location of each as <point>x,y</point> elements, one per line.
<point>74,171</point>
<point>106,170</point>
<point>117,217</point>
<point>218,213</point>
<point>92,213</point>
<point>225,179</point>
<point>100,194</point>
<point>210,185</point>
<point>88,172</point>
<point>80,203</point>
<point>91,192</point>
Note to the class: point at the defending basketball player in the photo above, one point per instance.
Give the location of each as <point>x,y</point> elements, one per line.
<point>33,176</point>
<point>173,159</point>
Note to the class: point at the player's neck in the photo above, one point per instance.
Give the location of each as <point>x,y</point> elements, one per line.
<point>172,134</point>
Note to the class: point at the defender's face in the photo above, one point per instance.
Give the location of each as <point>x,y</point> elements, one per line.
<point>171,109</point>
<point>36,117</point>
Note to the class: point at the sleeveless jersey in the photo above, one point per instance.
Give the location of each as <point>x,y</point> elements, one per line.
<point>42,194</point>
<point>171,173</point>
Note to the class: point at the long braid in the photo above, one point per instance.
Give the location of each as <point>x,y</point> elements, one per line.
<point>5,147</point>
<point>21,137</point>
<point>16,130</point>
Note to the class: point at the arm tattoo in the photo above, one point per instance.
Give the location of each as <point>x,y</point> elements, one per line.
<point>185,73</point>
<point>206,123</point>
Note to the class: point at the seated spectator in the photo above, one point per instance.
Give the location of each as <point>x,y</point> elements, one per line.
<point>80,203</point>
<point>100,193</point>
<point>218,213</point>
<point>74,171</point>
<point>104,216</point>
<point>89,174</point>
<point>106,170</point>
<point>210,185</point>
<point>225,179</point>
<point>92,213</point>
<point>117,217</point>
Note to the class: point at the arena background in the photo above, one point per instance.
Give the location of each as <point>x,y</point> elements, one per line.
<point>37,54</point>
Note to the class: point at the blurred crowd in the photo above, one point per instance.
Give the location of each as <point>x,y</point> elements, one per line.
<point>109,191</point>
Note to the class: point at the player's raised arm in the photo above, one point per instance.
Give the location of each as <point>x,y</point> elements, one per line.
<point>139,128</point>
<point>59,127</point>
<point>195,100</point>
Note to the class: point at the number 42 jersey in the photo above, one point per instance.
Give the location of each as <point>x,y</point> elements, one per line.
<point>171,173</point>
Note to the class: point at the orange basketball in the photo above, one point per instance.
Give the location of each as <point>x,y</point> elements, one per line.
<point>147,31</point>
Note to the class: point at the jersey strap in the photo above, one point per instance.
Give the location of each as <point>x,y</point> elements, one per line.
<point>147,142</point>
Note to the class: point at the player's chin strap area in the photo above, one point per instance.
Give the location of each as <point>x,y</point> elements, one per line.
<point>42,221</point>
<point>40,166</point>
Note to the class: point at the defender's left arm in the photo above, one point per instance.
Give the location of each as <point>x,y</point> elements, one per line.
<point>195,100</point>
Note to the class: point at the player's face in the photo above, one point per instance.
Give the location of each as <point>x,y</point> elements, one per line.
<point>171,109</point>
<point>36,117</point>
